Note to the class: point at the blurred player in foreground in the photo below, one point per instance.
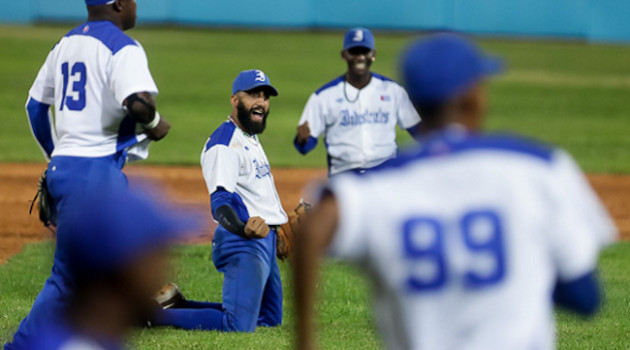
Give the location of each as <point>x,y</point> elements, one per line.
<point>467,237</point>
<point>115,243</point>
<point>97,80</point>
<point>246,205</point>
<point>357,113</point>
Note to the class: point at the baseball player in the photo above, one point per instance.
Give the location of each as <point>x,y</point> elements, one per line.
<point>116,245</point>
<point>97,81</point>
<point>246,205</point>
<point>468,237</point>
<point>356,113</point>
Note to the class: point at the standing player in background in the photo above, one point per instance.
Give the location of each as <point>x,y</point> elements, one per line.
<point>246,205</point>
<point>357,113</point>
<point>467,238</point>
<point>97,80</point>
<point>116,243</point>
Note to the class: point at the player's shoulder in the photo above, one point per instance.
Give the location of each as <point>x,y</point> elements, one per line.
<point>221,136</point>
<point>383,78</point>
<point>106,32</point>
<point>330,84</point>
<point>453,143</point>
<point>387,83</point>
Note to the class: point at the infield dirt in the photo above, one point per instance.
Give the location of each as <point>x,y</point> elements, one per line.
<point>185,186</point>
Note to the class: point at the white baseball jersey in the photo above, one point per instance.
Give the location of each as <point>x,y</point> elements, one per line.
<point>466,239</point>
<point>359,126</point>
<point>236,161</point>
<point>87,76</point>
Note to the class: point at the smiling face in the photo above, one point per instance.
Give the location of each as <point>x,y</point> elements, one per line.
<point>359,60</point>
<point>252,109</point>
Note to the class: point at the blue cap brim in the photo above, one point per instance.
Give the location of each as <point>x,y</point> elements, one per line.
<point>272,90</point>
<point>353,45</point>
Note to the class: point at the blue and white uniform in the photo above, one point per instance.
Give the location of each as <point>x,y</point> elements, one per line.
<point>236,161</point>
<point>237,174</point>
<point>86,78</point>
<point>466,238</point>
<point>358,126</point>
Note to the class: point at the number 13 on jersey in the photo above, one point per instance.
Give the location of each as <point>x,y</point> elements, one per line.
<point>480,232</point>
<point>78,74</point>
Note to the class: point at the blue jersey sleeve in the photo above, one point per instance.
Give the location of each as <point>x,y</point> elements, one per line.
<point>40,125</point>
<point>306,147</point>
<point>580,295</point>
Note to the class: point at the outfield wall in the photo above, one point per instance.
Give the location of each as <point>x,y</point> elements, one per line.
<point>593,20</point>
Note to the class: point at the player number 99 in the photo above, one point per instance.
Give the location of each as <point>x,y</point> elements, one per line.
<point>424,247</point>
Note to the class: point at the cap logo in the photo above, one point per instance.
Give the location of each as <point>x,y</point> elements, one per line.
<point>358,36</point>
<point>86,29</point>
<point>260,76</point>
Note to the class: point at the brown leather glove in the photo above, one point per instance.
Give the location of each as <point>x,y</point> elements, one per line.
<point>286,232</point>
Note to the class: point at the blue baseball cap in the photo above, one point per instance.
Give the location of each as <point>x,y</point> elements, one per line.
<point>98,2</point>
<point>250,79</point>
<point>358,37</point>
<point>106,229</point>
<point>442,66</point>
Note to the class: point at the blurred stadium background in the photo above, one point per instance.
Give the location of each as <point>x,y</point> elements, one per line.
<point>567,82</point>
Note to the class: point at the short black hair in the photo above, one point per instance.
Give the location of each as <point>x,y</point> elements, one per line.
<point>430,111</point>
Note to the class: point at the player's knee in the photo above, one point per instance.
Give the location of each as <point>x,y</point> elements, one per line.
<point>239,324</point>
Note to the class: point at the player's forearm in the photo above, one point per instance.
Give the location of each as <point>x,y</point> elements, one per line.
<point>142,108</point>
<point>40,125</point>
<point>305,272</point>
<point>220,201</point>
<point>315,234</point>
<point>227,217</point>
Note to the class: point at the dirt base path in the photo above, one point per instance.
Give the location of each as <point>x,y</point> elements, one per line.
<point>185,185</point>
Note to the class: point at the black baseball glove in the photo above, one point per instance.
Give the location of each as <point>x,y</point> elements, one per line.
<point>45,206</point>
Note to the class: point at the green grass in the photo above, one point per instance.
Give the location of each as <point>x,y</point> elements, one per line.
<point>345,310</point>
<point>570,94</point>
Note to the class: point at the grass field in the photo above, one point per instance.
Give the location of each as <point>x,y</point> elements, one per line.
<point>346,321</point>
<point>570,94</point>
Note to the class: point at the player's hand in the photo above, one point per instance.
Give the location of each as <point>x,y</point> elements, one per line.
<point>256,228</point>
<point>160,131</point>
<point>303,133</point>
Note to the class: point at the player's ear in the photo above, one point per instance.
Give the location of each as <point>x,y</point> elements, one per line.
<point>118,5</point>
<point>234,100</point>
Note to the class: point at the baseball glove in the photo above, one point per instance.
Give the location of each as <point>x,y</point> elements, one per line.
<point>45,206</point>
<point>286,232</point>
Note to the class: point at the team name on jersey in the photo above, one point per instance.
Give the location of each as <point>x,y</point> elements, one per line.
<point>261,169</point>
<point>350,119</point>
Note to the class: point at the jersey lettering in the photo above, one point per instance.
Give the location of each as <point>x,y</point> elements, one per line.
<point>481,233</point>
<point>356,118</point>
<point>75,101</point>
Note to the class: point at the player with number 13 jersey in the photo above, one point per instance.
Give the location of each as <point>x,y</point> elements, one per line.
<point>96,79</point>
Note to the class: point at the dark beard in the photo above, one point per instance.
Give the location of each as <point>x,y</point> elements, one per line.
<point>245,118</point>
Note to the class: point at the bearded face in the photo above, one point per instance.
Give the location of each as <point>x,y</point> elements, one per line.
<point>253,119</point>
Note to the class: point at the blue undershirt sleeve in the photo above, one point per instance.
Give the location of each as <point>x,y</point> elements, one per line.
<point>581,295</point>
<point>414,131</point>
<point>307,146</point>
<point>222,203</point>
<point>40,125</point>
